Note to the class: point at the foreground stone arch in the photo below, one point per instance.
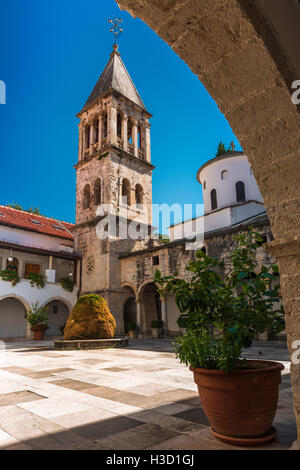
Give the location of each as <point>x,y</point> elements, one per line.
<point>240,60</point>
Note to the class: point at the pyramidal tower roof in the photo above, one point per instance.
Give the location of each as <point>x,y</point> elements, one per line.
<point>115,77</point>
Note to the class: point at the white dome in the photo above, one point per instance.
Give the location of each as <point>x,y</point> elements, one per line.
<point>227,180</point>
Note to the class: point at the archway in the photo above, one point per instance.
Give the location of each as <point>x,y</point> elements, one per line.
<point>240,55</point>
<point>58,314</point>
<point>129,312</point>
<point>151,306</point>
<point>12,318</point>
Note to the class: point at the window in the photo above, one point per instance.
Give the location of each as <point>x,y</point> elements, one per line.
<point>213,199</point>
<point>55,309</point>
<point>224,174</point>
<point>97,192</point>
<point>87,136</point>
<point>126,192</point>
<point>129,131</point>
<point>155,260</point>
<point>240,192</point>
<point>104,124</point>
<point>86,197</point>
<point>139,193</point>
<point>31,268</point>
<point>96,130</point>
<point>12,264</point>
<point>35,222</point>
<point>204,185</point>
<point>119,125</point>
<point>139,136</point>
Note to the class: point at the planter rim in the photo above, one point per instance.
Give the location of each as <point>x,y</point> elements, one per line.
<point>266,366</point>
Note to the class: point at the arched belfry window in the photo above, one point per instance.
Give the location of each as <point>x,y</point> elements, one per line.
<point>97,192</point>
<point>240,192</point>
<point>139,137</point>
<point>104,124</point>
<point>119,125</point>
<point>224,174</point>
<point>129,131</point>
<point>86,197</point>
<point>126,192</point>
<point>87,136</point>
<point>96,130</point>
<point>213,199</point>
<point>139,193</point>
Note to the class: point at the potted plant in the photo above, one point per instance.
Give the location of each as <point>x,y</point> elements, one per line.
<point>37,317</point>
<point>157,328</point>
<point>225,313</point>
<point>132,330</point>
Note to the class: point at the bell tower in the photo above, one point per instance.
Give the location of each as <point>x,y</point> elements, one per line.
<point>114,168</point>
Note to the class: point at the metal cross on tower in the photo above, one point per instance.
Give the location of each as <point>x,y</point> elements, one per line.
<point>116,29</point>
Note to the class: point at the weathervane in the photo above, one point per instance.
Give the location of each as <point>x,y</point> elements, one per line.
<point>116,29</point>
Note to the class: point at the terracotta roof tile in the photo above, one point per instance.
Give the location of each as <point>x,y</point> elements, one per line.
<point>35,223</point>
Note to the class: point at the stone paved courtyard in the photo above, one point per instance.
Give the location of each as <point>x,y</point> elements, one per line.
<point>139,397</point>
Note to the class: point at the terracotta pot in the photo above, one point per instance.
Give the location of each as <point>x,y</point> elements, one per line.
<point>241,405</point>
<point>157,332</point>
<point>132,334</point>
<point>39,335</point>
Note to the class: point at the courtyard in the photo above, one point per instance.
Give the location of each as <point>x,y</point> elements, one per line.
<point>138,397</point>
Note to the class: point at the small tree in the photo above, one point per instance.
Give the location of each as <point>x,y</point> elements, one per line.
<point>221,149</point>
<point>37,317</point>
<point>225,315</point>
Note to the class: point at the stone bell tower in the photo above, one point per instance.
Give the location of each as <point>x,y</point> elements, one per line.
<point>114,168</point>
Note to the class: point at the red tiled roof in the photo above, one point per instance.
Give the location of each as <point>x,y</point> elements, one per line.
<point>35,223</point>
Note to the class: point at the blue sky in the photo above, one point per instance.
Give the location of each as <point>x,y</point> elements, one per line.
<point>52,54</point>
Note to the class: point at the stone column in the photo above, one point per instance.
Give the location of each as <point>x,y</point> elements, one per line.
<point>287,253</point>
<point>134,138</point>
<point>113,125</point>
<point>147,144</point>
<point>125,133</point>
<point>99,131</point>
<point>164,314</point>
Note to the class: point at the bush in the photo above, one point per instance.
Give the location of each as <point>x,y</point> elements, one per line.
<point>90,319</point>
<point>10,275</point>
<point>132,326</point>
<point>157,324</point>
<point>36,279</point>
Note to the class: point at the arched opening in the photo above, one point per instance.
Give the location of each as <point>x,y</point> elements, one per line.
<point>97,192</point>
<point>87,136</point>
<point>86,197</point>
<point>224,174</point>
<point>139,194</point>
<point>139,137</point>
<point>213,199</point>
<point>58,314</point>
<point>126,192</point>
<point>119,125</point>
<point>12,318</point>
<point>240,192</point>
<point>151,306</point>
<point>96,131</point>
<point>12,264</point>
<point>129,131</point>
<point>104,124</point>
<point>129,312</point>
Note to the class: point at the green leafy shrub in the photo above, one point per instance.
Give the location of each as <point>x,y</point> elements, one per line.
<point>67,284</point>
<point>10,275</point>
<point>225,315</point>
<point>156,324</point>
<point>37,280</point>
<point>37,317</point>
<point>182,321</point>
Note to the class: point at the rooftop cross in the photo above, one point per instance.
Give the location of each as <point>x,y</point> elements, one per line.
<point>116,29</point>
